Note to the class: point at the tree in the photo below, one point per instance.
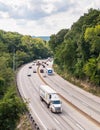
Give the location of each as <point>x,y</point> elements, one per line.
<point>10,109</point>
<point>21,58</point>
<point>92,70</point>
<point>52,42</point>
<point>12,40</point>
<point>92,36</point>
<point>57,39</point>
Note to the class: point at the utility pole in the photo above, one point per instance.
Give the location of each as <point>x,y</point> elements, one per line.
<point>14,62</point>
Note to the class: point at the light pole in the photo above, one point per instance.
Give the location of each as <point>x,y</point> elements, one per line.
<point>14,58</point>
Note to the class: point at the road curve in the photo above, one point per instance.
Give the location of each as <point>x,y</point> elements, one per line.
<point>69,119</point>
<point>85,101</point>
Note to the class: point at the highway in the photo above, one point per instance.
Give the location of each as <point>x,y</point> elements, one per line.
<point>70,118</point>
<point>89,103</point>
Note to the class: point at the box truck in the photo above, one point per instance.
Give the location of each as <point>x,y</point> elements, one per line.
<point>51,98</point>
<point>49,71</point>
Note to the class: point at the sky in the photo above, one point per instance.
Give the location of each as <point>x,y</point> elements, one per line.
<point>42,17</point>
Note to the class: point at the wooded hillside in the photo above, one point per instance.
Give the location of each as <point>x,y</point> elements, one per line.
<point>77,50</point>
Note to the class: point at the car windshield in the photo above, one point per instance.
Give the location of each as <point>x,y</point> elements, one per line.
<point>56,102</point>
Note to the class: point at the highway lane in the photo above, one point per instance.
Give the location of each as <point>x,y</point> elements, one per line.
<point>69,119</point>
<point>89,103</point>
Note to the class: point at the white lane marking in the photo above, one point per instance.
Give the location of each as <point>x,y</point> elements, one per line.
<point>79,126</point>
<point>32,107</point>
<point>56,120</point>
<point>38,117</point>
<point>85,104</point>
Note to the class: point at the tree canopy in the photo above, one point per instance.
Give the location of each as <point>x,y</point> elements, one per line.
<point>78,53</point>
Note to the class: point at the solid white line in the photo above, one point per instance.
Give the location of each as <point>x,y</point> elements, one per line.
<point>56,120</point>
<point>38,117</point>
<point>85,104</point>
<point>78,125</point>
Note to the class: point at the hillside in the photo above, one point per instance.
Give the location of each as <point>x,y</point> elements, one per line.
<point>77,50</point>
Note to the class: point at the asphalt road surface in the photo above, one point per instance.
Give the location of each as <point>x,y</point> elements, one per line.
<point>28,83</point>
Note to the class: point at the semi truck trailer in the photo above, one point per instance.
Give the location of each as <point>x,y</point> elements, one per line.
<point>51,98</point>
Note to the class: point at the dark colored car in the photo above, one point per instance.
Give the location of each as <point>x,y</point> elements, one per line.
<point>43,66</point>
<point>41,71</point>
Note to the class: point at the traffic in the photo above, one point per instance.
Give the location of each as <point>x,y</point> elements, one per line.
<point>46,94</point>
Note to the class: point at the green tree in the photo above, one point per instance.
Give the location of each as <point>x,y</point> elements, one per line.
<point>21,57</point>
<point>57,39</point>
<point>10,109</point>
<point>12,41</point>
<point>92,70</point>
<point>92,36</point>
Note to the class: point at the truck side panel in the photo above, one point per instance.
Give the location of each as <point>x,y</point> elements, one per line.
<point>45,96</point>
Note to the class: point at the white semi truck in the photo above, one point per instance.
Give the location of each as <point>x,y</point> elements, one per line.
<point>51,98</point>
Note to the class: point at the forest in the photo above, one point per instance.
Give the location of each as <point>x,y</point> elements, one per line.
<point>15,50</point>
<point>77,50</point>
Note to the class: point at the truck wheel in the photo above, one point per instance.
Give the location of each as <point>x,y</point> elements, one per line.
<point>41,99</point>
<point>51,110</point>
<point>48,105</point>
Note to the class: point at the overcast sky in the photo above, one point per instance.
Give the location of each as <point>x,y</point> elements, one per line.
<point>42,17</point>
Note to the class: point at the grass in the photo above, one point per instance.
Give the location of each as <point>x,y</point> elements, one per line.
<point>24,123</point>
<point>80,83</point>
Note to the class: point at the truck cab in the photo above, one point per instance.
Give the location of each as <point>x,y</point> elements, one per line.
<point>55,104</point>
